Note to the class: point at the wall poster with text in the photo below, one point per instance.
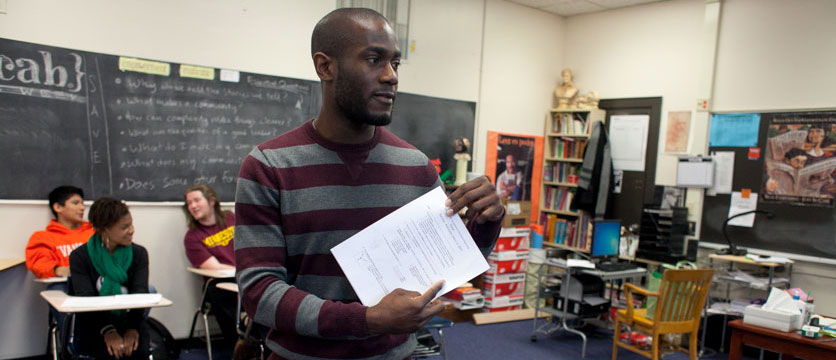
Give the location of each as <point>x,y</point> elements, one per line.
<point>800,159</point>
<point>514,165</point>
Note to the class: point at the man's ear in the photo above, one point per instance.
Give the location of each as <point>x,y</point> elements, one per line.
<point>56,207</point>
<point>325,66</point>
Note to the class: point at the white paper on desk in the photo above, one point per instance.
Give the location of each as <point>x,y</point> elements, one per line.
<point>138,299</point>
<point>412,248</point>
<point>739,205</point>
<point>723,172</point>
<point>89,301</point>
<point>581,263</point>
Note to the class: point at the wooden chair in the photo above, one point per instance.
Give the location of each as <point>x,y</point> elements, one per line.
<point>681,297</point>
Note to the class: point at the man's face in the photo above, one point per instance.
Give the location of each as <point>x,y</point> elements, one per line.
<point>798,161</point>
<point>367,74</point>
<point>509,163</point>
<point>72,210</point>
<point>198,206</point>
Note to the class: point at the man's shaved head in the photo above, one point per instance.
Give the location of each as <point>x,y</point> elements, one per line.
<point>332,33</point>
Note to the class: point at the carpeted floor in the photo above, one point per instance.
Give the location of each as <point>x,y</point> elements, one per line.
<point>510,341</point>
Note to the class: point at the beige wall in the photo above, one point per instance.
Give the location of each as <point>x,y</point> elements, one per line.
<point>505,57</point>
<point>270,37</point>
<point>771,55</point>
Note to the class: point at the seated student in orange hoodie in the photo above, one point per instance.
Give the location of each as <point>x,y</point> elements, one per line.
<point>48,251</point>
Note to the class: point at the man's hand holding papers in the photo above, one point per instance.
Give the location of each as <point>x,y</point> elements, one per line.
<point>403,311</point>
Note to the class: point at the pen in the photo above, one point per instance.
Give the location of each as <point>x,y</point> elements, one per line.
<point>826,340</point>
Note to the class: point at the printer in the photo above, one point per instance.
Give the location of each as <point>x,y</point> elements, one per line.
<point>584,295</point>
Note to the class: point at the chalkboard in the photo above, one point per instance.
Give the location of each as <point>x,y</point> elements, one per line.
<point>145,130</point>
<point>802,230</point>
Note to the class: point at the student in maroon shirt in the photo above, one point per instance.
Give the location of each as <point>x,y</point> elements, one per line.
<point>210,245</point>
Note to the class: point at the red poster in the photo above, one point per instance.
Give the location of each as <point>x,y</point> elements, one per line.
<point>517,162</point>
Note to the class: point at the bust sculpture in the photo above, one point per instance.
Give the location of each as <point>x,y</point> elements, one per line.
<point>566,91</point>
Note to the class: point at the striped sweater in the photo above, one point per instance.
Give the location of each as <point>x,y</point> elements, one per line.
<point>298,196</point>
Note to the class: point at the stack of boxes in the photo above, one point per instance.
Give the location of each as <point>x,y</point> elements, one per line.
<point>504,283</point>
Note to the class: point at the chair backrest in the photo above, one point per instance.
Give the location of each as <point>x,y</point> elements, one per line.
<point>681,296</point>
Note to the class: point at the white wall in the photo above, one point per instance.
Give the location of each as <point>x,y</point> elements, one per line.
<point>523,57</point>
<point>772,55</point>
<point>270,37</point>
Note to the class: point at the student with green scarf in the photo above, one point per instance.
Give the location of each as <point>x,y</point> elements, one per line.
<point>110,264</point>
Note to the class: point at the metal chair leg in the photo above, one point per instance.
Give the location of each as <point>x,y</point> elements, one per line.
<point>208,335</point>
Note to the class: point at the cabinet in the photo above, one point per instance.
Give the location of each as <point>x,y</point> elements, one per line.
<point>566,135</point>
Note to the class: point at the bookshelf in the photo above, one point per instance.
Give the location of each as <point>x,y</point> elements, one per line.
<point>566,135</point>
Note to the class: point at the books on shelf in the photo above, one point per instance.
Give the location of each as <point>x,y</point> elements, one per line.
<point>570,123</point>
<point>558,198</point>
<point>576,232</point>
<point>568,148</point>
<point>561,172</point>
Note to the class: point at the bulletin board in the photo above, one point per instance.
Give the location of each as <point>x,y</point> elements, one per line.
<point>804,219</point>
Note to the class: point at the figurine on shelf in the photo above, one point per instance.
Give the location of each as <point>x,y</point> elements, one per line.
<point>461,146</point>
<point>566,91</point>
<point>587,101</point>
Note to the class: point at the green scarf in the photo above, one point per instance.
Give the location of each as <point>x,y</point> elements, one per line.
<point>112,268</point>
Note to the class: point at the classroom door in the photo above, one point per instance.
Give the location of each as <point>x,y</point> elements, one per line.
<point>637,187</point>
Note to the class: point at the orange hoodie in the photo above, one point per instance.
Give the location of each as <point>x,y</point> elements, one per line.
<point>52,247</point>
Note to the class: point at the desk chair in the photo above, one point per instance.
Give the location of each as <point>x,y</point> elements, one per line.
<point>423,350</point>
<point>681,297</point>
<point>203,310</point>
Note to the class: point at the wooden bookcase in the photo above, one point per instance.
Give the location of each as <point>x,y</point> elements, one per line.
<point>566,135</point>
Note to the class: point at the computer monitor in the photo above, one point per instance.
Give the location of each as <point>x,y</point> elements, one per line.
<point>606,235</point>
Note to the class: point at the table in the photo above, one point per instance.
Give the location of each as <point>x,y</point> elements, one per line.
<point>56,298</point>
<point>215,278</point>
<point>10,263</point>
<point>564,315</point>
<point>790,344</point>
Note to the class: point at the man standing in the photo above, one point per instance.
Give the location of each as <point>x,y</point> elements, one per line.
<point>309,189</point>
<point>508,183</point>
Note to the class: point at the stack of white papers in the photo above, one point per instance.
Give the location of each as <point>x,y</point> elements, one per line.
<point>412,248</point>
<point>581,263</point>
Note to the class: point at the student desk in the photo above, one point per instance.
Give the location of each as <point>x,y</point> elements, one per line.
<point>56,298</point>
<point>53,322</point>
<point>52,280</point>
<point>215,277</point>
<point>789,344</point>
<point>10,263</point>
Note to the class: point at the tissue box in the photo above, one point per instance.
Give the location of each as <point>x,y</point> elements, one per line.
<point>772,319</point>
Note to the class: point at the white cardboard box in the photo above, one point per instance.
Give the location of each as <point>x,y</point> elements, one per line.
<point>772,319</point>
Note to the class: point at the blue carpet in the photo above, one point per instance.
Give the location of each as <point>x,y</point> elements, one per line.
<point>509,341</point>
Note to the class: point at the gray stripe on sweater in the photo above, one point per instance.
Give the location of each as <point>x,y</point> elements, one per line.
<point>393,155</point>
<point>307,316</point>
<point>300,155</point>
<point>265,313</point>
<point>248,236</point>
<point>348,197</point>
<point>253,193</point>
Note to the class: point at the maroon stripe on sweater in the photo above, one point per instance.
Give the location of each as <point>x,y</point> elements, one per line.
<point>338,219</point>
<point>249,214</point>
<point>336,318</point>
<point>294,137</point>
<point>315,264</point>
<point>252,169</point>
<point>288,309</point>
<point>261,256</point>
<point>338,175</point>
<point>252,294</point>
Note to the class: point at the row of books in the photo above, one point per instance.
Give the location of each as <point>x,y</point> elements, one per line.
<point>570,123</point>
<point>561,172</point>
<point>558,198</point>
<point>568,148</point>
<point>569,232</point>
